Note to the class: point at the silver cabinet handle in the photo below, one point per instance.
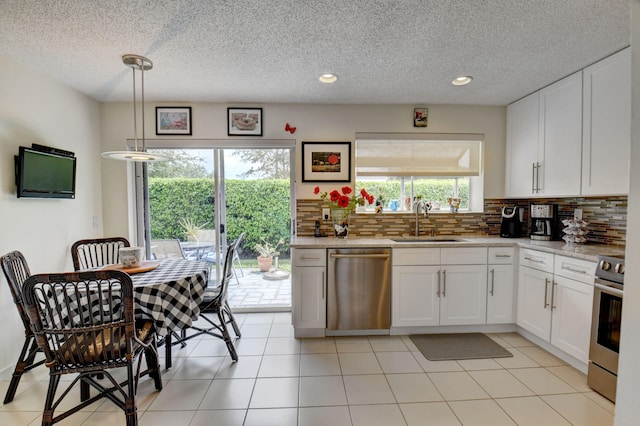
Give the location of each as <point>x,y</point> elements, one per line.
<point>444,283</point>
<point>546,282</point>
<point>323,287</point>
<point>493,278</point>
<point>553,292</point>
<point>533,178</point>
<point>537,177</point>
<point>502,255</point>
<point>533,259</point>
<point>568,268</point>
<point>438,292</point>
<point>309,258</point>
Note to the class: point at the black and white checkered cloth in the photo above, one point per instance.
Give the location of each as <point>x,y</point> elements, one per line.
<point>171,293</point>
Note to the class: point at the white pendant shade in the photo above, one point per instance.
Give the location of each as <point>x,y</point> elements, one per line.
<point>142,64</point>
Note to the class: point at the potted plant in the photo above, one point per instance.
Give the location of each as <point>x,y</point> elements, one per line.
<point>191,229</point>
<point>266,252</point>
<point>342,203</point>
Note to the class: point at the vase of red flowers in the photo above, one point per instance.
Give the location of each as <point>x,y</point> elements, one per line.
<point>342,203</point>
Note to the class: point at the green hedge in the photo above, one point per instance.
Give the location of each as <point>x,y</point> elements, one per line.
<point>431,189</point>
<point>260,208</point>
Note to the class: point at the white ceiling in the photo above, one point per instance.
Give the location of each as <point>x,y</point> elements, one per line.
<point>270,51</point>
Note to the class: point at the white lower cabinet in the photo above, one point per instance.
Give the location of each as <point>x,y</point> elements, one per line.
<point>463,297</point>
<point>501,286</point>
<point>309,289</point>
<point>571,322</point>
<point>500,294</point>
<point>414,296</point>
<point>557,307</point>
<point>534,313</point>
<point>447,294</point>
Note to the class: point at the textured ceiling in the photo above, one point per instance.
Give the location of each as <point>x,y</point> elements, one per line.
<point>269,51</point>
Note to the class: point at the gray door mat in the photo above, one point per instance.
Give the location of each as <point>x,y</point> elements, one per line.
<point>439,347</point>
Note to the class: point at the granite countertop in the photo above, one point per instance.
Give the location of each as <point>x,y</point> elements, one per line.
<point>579,251</point>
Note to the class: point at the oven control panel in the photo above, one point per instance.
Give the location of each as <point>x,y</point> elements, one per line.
<point>610,268</point>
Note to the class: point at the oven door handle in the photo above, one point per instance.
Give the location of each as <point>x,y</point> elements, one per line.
<point>609,290</point>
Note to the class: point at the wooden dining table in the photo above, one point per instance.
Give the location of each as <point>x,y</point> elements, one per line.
<point>170,295</point>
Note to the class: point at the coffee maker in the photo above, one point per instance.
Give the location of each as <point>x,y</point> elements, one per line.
<point>544,218</point>
<point>511,226</point>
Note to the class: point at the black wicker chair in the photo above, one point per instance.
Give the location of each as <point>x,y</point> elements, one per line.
<point>96,252</point>
<point>215,302</point>
<point>16,270</point>
<point>84,323</point>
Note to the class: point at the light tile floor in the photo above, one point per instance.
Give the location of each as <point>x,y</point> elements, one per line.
<point>368,381</point>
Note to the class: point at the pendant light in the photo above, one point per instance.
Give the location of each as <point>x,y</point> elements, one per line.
<point>142,64</point>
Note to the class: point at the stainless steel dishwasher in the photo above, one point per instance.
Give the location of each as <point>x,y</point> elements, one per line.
<point>359,289</point>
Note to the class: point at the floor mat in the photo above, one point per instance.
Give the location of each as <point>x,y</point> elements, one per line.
<point>438,347</point>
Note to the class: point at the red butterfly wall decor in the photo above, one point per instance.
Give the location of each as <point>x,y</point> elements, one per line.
<point>289,129</point>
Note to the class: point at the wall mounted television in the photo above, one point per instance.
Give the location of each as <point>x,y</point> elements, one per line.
<point>45,172</point>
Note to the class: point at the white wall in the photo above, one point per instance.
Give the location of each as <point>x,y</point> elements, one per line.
<point>628,392</point>
<point>313,123</point>
<point>34,108</point>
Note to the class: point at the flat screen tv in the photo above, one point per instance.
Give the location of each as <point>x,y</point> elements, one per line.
<point>43,172</point>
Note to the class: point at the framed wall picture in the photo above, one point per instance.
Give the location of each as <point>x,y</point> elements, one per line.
<point>244,121</point>
<point>173,120</point>
<point>326,161</point>
<point>420,116</point>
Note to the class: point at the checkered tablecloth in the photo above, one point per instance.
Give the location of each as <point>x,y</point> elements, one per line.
<point>171,293</point>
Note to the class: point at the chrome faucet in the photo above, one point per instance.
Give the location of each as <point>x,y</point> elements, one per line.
<point>421,204</point>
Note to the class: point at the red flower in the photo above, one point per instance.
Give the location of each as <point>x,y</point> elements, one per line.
<point>346,190</point>
<point>333,159</point>
<point>334,195</point>
<point>343,201</point>
<point>316,190</point>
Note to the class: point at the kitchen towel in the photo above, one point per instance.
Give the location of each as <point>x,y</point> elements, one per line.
<point>438,347</point>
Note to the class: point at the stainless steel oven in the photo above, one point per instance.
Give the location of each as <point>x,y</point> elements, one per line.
<point>605,326</point>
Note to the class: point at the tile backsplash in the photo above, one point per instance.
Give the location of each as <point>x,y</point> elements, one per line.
<point>607,218</point>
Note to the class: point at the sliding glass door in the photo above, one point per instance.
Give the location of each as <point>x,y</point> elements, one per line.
<point>208,196</point>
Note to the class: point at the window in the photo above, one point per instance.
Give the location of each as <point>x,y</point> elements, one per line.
<point>396,168</point>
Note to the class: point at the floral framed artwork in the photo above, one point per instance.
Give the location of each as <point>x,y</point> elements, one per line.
<point>244,121</point>
<point>173,121</point>
<point>326,161</point>
<point>420,117</point>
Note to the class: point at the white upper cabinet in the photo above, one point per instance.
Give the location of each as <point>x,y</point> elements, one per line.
<point>607,126</point>
<point>544,141</point>
<point>522,146</point>
<point>560,138</point>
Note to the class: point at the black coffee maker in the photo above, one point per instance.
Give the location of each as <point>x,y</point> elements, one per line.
<point>511,226</point>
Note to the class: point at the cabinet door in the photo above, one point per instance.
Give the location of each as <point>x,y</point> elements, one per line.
<point>571,318</point>
<point>561,137</point>
<point>607,126</point>
<point>534,294</point>
<point>500,294</point>
<point>463,296</point>
<point>309,301</point>
<point>414,296</point>
<point>522,146</point>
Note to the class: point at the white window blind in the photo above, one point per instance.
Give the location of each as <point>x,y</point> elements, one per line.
<point>418,154</point>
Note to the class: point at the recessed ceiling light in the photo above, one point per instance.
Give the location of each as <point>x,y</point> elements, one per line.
<point>328,78</point>
<point>461,81</point>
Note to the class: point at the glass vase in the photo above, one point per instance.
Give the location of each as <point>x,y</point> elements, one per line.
<point>340,223</point>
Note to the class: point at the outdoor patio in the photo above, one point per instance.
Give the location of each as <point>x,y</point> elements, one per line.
<point>253,291</point>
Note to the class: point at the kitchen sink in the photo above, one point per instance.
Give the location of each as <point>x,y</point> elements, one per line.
<point>427,240</point>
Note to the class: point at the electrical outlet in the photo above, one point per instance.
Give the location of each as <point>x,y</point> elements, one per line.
<point>577,213</point>
<point>95,221</point>
<point>325,214</point>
